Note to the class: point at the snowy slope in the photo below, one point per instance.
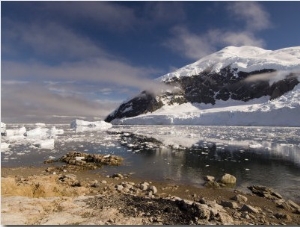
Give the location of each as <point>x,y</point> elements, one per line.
<point>283,111</point>
<point>245,58</point>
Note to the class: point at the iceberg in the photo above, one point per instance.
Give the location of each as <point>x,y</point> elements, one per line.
<point>81,125</point>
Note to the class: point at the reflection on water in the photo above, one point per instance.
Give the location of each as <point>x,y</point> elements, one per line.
<point>255,155</point>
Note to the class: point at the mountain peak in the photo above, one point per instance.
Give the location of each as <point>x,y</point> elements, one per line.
<point>243,58</point>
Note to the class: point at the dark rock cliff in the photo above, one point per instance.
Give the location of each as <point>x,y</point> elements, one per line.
<point>207,87</point>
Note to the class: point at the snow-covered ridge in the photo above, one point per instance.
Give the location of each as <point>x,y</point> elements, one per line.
<point>283,111</point>
<point>245,58</point>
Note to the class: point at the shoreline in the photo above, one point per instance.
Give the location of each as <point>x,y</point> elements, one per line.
<point>126,202</point>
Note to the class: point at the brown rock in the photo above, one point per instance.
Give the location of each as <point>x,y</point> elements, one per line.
<point>249,208</point>
<point>228,179</point>
<point>232,205</point>
<point>240,198</point>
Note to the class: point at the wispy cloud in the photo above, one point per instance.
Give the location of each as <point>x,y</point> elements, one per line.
<point>196,45</point>
<point>254,15</point>
<point>37,99</point>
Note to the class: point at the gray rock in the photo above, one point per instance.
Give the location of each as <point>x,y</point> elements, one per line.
<point>144,186</point>
<point>228,179</point>
<point>249,208</point>
<point>119,187</point>
<point>153,189</point>
<point>232,205</point>
<point>294,205</point>
<point>240,198</point>
<point>264,191</point>
<point>209,178</point>
<point>95,184</point>
<point>203,210</point>
<point>212,184</point>
<point>225,218</point>
<point>283,216</point>
<point>117,175</point>
<point>245,215</point>
<point>104,182</point>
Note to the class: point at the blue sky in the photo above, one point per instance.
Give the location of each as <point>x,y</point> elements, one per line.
<point>85,58</point>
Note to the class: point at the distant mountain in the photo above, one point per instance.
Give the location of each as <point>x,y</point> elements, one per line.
<point>232,78</point>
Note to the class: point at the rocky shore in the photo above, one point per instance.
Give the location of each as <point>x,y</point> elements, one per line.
<point>71,195</point>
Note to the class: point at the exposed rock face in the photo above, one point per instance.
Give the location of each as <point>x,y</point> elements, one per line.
<point>207,87</point>
<point>143,103</point>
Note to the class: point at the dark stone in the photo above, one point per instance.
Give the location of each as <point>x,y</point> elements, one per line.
<point>143,103</point>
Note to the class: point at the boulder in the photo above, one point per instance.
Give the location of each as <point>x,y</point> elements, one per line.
<point>228,179</point>
<point>264,191</point>
<point>232,205</point>
<point>249,208</point>
<point>153,189</point>
<point>144,186</point>
<point>209,178</point>
<point>240,198</point>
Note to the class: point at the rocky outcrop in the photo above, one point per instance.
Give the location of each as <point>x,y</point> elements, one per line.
<point>143,103</point>
<point>88,161</point>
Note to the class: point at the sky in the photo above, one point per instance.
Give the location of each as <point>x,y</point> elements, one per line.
<point>66,60</point>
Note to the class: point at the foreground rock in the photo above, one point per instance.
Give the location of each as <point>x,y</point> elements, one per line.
<point>90,161</point>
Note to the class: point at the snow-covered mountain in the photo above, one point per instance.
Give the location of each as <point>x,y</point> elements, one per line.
<point>234,86</point>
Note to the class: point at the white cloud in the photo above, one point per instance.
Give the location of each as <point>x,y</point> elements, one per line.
<point>255,17</point>
<point>164,12</point>
<point>196,45</point>
<point>193,46</point>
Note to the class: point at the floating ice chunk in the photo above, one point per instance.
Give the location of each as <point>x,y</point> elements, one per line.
<point>45,144</point>
<point>255,145</point>
<point>3,128</point>
<point>37,133</point>
<point>40,124</point>
<point>54,131</point>
<point>4,146</point>
<point>81,125</point>
<point>15,132</point>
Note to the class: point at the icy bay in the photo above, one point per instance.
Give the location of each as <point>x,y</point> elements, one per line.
<point>267,156</point>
